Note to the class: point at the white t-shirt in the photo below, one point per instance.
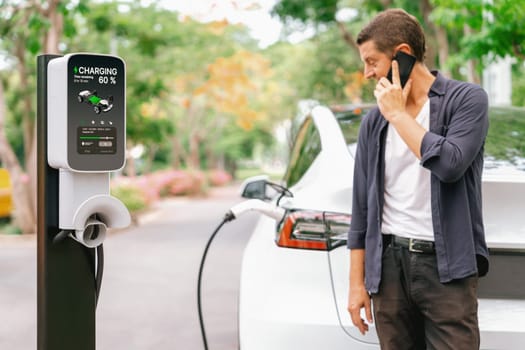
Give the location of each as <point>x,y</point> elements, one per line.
<point>406,211</point>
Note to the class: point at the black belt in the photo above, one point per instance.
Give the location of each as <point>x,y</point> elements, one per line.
<point>414,245</point>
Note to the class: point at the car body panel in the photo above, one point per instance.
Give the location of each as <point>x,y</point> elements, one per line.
<point>331,173</point>
<point>504,197</point>
<point>273,317</point>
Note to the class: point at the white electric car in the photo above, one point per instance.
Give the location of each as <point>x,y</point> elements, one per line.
<point>294,277</point>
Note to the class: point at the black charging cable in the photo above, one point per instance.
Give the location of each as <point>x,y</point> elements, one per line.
<point>62,235</point>
<point>100,271</point>
<point>228,217</point>
<point>284,192</point>
<point>99,267</point>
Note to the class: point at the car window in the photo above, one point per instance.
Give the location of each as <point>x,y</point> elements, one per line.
<point>349,122</point>
<point>505,143</point>
<point>350,128</point>
<point>306,147</point>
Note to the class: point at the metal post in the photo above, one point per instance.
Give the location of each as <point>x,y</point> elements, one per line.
<point>65,270</point>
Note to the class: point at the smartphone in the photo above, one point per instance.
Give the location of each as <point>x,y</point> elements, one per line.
<point>405,63</point>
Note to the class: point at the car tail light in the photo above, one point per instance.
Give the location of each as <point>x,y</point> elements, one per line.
<point>305,229</point>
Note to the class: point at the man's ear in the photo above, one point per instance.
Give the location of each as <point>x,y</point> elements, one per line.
<point>405,48</point>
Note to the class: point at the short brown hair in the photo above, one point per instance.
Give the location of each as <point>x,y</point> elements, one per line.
<point>391,28</point>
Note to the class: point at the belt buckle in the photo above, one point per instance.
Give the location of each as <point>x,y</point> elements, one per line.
<point>411,248</point>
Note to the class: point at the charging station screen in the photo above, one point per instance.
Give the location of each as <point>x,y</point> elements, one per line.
<point>96,112</point>
<point>96,140</point>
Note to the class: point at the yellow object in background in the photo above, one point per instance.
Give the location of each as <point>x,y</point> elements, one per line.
<point>6,200</point>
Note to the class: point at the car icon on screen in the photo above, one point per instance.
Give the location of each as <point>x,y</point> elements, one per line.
<point>99,104</point>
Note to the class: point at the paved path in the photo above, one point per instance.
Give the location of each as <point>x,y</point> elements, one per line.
<point>148,297</point>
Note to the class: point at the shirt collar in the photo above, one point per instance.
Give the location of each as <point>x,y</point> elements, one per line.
<point>439,85</point>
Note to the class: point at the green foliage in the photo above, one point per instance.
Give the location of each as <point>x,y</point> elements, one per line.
<point>331,56</point>
<point>506,136</point>
<point>306,11</point>
<point>160,49</point>
<point>477,30</point>
<point>311,69</point>
<point>13,125</point>
<point>24,27</point>
<point>7,227</point>
<point>518,85</point>
<point>240,143</point>
<point>497,26</point>
<point>131,196</point>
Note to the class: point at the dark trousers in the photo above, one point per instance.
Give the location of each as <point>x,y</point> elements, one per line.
<point>413,310</point>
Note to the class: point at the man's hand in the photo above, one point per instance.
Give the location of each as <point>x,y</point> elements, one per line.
<point>391,98</point>
<point>357,299</point>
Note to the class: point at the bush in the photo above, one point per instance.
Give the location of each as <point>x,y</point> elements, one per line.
<point>132,197</point>
<point>7,227</point>
<point>189,183</point>
<point>219,177</point>
<point>140,191</point>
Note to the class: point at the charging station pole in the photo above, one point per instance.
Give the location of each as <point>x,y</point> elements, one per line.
<point>65,271</point>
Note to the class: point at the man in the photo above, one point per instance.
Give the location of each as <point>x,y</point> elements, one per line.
<point>416,240</point>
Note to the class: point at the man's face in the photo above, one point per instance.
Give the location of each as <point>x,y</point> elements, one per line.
<point>377,63</point>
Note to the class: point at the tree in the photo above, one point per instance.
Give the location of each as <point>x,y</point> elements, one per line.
<point>518,85</point>
<point>314,13</point>
<point>227,93</point>
<point>166,63</point>
<point>470,29</point>
<point>322,68</point>
<point>323,15</point>
<point>29,28</point>
<point>491,29</point>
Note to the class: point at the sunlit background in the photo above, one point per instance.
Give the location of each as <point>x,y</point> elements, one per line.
<point>214,87</point>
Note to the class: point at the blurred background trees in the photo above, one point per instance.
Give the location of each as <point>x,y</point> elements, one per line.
<point>205,96</point>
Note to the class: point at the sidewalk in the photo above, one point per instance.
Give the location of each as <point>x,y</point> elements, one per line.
<point>9,240</point>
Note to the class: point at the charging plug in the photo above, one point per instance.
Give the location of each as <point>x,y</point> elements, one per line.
<point>265,208</point>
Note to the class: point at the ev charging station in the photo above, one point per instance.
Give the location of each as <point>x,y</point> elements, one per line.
<point>81,135</point>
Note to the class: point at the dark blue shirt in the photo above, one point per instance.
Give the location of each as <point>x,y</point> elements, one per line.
<point>452,150</point>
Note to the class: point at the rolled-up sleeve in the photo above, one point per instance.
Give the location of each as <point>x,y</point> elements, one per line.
<point>449,156</point>
<point>358,225</point>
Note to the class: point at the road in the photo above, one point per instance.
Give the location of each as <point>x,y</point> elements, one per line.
<point>148,298</point>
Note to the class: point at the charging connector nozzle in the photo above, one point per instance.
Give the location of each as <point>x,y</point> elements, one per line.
<point>265,208</point>
<point>229,216</point>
